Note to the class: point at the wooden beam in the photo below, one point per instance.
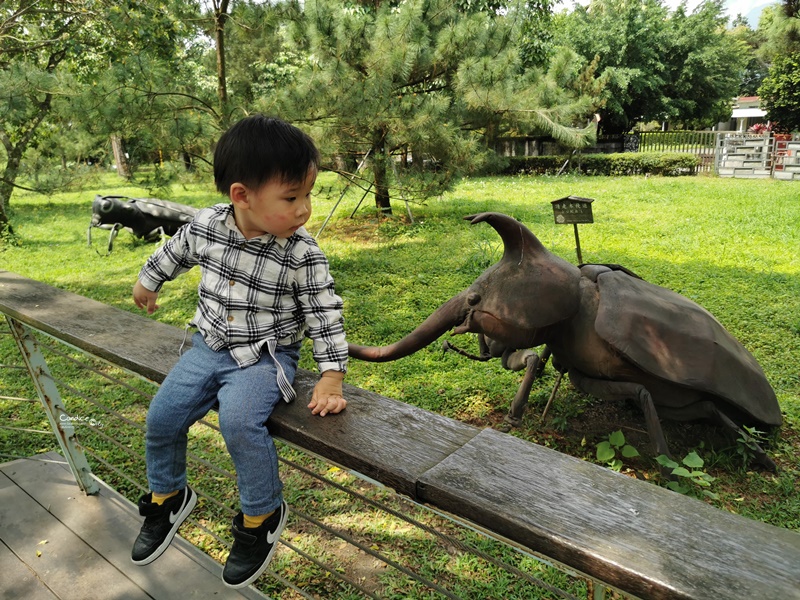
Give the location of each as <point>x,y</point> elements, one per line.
<point>642,538</point>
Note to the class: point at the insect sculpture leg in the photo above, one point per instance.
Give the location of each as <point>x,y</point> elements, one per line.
<point>533,365</point>
<point>621,390</point>
<point>708,410</point>
<point>552,395</point>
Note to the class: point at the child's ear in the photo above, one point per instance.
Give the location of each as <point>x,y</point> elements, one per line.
<point>238,194</point>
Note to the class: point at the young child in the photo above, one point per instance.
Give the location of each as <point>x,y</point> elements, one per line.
<point>264,286</point>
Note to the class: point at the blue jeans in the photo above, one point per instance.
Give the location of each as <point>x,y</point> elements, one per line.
<point>246,399</point>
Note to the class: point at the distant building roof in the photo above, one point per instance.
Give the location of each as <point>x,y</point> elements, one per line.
<point>746,102</point>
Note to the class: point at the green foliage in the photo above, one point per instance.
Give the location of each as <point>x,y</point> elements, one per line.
<point>757,66</point>
<point>68,71</point>
<point>780,92</point>
<point>624,163</point>
<point>536,36</point>
<point>780,28</point>
<point>747,444</point>
<point>686,481</point>
<point>658,65</point>
<point>639,163</point>
<point>614,449</point>
<point>706,62</point>
<point>425,88</point>
<point>258,62</point>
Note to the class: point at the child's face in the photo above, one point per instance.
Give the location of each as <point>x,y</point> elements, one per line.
<point>277,207</point>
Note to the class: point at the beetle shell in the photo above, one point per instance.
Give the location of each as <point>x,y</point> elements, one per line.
<point>673,338</point>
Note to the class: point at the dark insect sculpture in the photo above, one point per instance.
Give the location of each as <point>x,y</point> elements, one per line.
<point>146,218</point>
<point>617,336</point>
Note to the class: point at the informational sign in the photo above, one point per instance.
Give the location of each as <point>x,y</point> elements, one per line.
<point>573,209</point>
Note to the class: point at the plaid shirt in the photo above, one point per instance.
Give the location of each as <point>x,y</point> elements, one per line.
<point>252,292</point>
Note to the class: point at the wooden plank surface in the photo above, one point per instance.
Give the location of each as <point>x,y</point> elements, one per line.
<point>64,563</point>
<point>388,441</point>
<point>641,538</point>
<point>144,346</point>
<point>17,578</point>
<point>89,539</point>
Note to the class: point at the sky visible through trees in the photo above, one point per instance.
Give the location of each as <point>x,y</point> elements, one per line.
<point>732,7</point>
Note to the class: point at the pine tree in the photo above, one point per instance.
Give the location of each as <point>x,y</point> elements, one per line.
<point>420,89</point>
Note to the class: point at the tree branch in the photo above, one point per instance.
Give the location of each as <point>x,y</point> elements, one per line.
<point>21,187</point>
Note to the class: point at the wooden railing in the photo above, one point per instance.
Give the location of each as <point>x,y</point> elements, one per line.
<point>641,539</point>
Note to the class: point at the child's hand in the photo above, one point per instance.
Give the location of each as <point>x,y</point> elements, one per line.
<point>327,396</point>
<point>144,298</point>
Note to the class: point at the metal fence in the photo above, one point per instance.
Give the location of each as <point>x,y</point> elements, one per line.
<point>724,153</point>
<point>346,538</point>
<point>690,142</point>
<point>699,143</point>
<point>730,153</point>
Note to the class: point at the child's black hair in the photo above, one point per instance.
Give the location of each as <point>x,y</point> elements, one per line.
<point>259,148</point>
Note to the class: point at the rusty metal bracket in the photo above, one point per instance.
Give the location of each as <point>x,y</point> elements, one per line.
<point>53,406</point>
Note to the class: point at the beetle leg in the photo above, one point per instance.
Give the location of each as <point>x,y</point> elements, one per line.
<point>533,368</point>
<point>620,390</point>
<point>517,360</point>
<point>543,360</point>
<point>447,346</point>
<point>711,411</point>
<point>483,346</point>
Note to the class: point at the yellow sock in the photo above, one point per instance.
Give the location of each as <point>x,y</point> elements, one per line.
<point>256,521</point>
<point>160,498</point>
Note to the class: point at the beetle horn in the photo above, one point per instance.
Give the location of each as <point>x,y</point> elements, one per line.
<point>448,315</point>
<point>533,285</point>
<point>517,239</point>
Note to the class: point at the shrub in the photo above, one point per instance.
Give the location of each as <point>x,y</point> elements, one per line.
<point>625,163</point>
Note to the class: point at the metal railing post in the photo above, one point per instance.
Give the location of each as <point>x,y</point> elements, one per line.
<point>53,406</point>
<point>599,591</point>
<point>719,145</point>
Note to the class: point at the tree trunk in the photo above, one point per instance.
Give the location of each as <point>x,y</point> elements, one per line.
<point>379,158</point>
<point>14,158</point>
<point>5,225</point>
<point>6,188</point>
<point>123,168</point>
<point>220,18</point>
<point>14,154</point>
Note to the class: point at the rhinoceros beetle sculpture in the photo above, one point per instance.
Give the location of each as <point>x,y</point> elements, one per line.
<point>146,218</point>
<point>617,336</point>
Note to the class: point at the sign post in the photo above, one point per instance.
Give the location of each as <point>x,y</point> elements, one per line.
<point>573,209</point>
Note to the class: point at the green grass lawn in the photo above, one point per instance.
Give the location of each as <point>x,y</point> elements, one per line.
<point>730,245</point>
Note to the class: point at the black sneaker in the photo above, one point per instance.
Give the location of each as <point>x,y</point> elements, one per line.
<point>253,548</point>
<point>160,524</point>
